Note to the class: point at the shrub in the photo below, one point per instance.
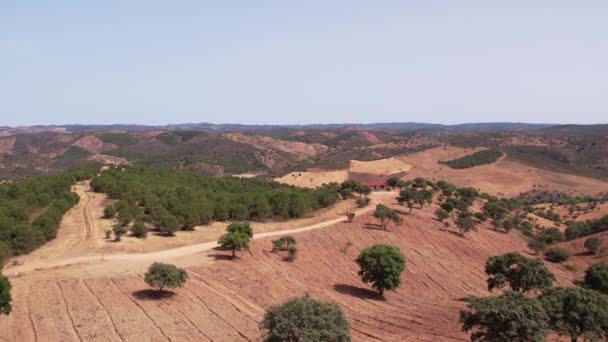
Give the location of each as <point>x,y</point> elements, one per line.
<point>550,236</point>
<point>283,243</point>
<point>441,214</point>
<point>292,253</point>
<point>5,252</point>
<point>139,229</point>
<point>119,231</point>
<point>109,211</point>
<point>161,275</point>
<point>596,278</point>
<point>593,245</point>
<point>556,255</point>
<point>350,216</point>
<point>537,246</point>
<point>108,233</point>
<point>465,223</point>
<point>306,319</point>
<point>169,225</point>
<point>362,202</point>
<point>382,266</point>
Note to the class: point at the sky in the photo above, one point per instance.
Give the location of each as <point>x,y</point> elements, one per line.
<point>297,62</point>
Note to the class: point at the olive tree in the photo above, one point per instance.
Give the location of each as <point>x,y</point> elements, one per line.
<point>576,312</point>
<point>593,245</point>
<point>385,215</point>
<point>161,275</point>
<point>237,237</point>
<point>510,317</point>
<point>521,274</point>
<point>306,319</point>
<point>596,278</point>
<point>382,266</point>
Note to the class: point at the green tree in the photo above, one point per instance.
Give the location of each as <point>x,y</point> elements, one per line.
<point>385,215</point>
<point>510,317</point>
<point>169,224</point>
<point>161,275</point>
<point>576,312</point>
<point>550,235</point>
<point>306,319</point>
<point>109,211</point>
<point>240,227</point>
<point>447,206</point>
<point>139,229</point>
<point>521,274</point>
<point>392,182</point>
<point>593,245</point>
<point>237,237</point>
<point>466,223</point>
<point>596,278</point>
<point>537,246</point>
<point>5,296</point>
<point>556,255</point>
<point>119,231</point>
<point>441,214</point>
<point>382,266</point>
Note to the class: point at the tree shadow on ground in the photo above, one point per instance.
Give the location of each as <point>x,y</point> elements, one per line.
<point>358,292</point>
<point>219,256</point>
<point>455,233</point>
<point>150,294</point>
<point>375,226</point>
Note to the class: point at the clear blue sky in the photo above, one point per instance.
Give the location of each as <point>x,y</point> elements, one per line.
<point>279,62</point>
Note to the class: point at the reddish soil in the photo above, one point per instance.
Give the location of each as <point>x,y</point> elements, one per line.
<point>89,143</point>
<point>224,299</point>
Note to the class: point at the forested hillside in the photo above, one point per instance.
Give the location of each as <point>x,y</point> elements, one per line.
<point>30,210</point>
<point>178,200</point>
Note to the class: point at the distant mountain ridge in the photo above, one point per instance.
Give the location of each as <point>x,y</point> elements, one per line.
<point>210,127</point>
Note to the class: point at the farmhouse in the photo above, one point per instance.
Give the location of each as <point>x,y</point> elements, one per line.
<point>374,181</point>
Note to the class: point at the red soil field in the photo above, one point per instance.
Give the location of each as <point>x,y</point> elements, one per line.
<point>224,300</point>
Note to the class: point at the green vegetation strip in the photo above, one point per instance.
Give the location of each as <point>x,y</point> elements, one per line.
<point>174,200</point>
<point>20,201</point>
<point>478,158</point>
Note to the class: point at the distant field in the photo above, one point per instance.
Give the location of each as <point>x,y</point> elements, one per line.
<point>545,158</point>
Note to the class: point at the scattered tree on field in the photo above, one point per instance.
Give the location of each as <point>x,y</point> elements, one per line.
<point>441,214</point>
<point>537,246</point>
<point>385,215</point>
<point>393,182</point>
<point>521,274</point>
<point>306,319</point>
<point>596,278</point>
<point>161,275</point>
<point>119,231</point>
<point>362,202</point>
<point>292,252</point>
<point>237,237</point>
<point>466,223</point>
<point>139,229</point>
<point>169,225</point>
<point>109,211</point>
<point>510,317</point>
<point>382,266</point>
<point>556,254</point>
<point>5,296</point>
<point>283,243</point>
<point>350,216</point>
<point>593,245</point>
<point>576,312</point>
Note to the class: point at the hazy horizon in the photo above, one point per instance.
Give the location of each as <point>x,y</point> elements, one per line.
<point>155,63</point>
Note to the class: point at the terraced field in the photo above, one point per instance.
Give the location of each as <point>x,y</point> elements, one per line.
<point>224,300</point>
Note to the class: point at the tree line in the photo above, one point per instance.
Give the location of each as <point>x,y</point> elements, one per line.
<point>31,209</point>
<point>478,158</point>
<point>173,200</point>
